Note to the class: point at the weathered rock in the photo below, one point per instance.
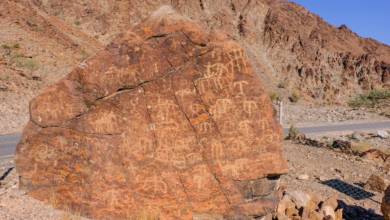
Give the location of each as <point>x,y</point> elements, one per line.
<point>168,120</point>
<point>331,201</point>
<point>328,213</point>
<point>357,136</point>
<point>382,134</point>
<point>303,177</point>
<point>376,183</point>
<point>302,206</point>
<point>360,147</point>
<point>300,198</point>
<point>343,145</point>
<point>375,155</point>
<point>385,207</point>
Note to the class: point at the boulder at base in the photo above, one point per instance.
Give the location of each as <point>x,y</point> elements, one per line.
<point>385,206</point>
<point>168,122</point>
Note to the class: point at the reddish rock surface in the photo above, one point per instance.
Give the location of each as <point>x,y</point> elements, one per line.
<point>168,121</point>
<point>385,207</point>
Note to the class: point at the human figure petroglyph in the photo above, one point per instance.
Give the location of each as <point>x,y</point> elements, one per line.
<point>270,137</point>
<point>230,169</point>
<point>215,70</point>
<point>249,107</point>
<point>112,197</point>
<point>237,61</point>
<point>179,162</point>
<point>240,85</point>
<point>263,124</point>
<point>237,145</point>
<point>201,177</point>
<point>214,84</point>
<point>165,109</point>
<point>146,145</point>
<point>216,55</point>
<point>217,150</point>
<point>152,186</point>
<point>46,152</point>
<point>205,127</point>
<point>245,127</point>
<point>181,94</point>
<point>222,106</point>
<point>196,108</point>
<point>228,127</point>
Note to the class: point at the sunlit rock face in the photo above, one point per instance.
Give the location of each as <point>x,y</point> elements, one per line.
<point>169,121</point>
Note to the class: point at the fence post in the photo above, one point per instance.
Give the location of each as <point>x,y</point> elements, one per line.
<point>280,111</point>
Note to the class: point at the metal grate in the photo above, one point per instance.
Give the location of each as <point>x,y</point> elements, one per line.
<point>348,189</point>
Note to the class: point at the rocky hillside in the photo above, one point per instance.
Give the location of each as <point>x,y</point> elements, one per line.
<point>293,50</point>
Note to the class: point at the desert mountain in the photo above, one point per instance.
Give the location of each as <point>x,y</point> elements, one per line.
<point>293,50</point>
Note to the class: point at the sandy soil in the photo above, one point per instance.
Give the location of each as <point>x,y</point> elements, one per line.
<point>323,165</point>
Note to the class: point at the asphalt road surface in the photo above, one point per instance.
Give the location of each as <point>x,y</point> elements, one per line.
<point>9,142</point>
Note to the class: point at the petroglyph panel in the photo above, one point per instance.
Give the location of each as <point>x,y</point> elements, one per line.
<point>165,120</point>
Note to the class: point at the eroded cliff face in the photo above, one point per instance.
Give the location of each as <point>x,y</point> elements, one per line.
<point>323,62</point>
<point>288,44</point>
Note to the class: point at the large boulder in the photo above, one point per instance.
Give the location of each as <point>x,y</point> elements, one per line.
<point>385,206</point>
<point>167,122</point>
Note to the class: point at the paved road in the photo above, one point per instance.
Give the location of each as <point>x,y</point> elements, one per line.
<point>344,127</point>
<point>8,142</point>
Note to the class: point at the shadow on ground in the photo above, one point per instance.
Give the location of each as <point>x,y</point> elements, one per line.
<point>352,212</point>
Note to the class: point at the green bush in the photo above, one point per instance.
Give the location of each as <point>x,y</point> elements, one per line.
<point>6,46</point>
<point>293,133</point>
<point>370,99</point>
<point>294,97</point>
<point>274,96</point>
<point>360,147</point>
<point>25,62</point>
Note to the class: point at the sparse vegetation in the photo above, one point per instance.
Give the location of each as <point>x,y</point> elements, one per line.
<point>295,96</point>
<point>370,99</point>
<point>77,23</point>
<point>16,46</point>
<point>5,46</point>
<point>25,62</point>
<point>84,55</point>
<point>282,85</point>
<point>274,96</point>
<point>9,47</point>
<point>293,133</point>
<point>360,147</point>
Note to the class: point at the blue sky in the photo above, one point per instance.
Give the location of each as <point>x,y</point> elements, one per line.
<point>368,18</point>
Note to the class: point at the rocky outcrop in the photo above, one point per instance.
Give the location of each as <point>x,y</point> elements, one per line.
<point>290,47</point>
<point>319,60</point>
<point>168,121</point>
<point>300,205</point>
<point>385,207</point>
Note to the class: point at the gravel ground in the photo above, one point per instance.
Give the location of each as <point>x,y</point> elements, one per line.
<point>323,165</point>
